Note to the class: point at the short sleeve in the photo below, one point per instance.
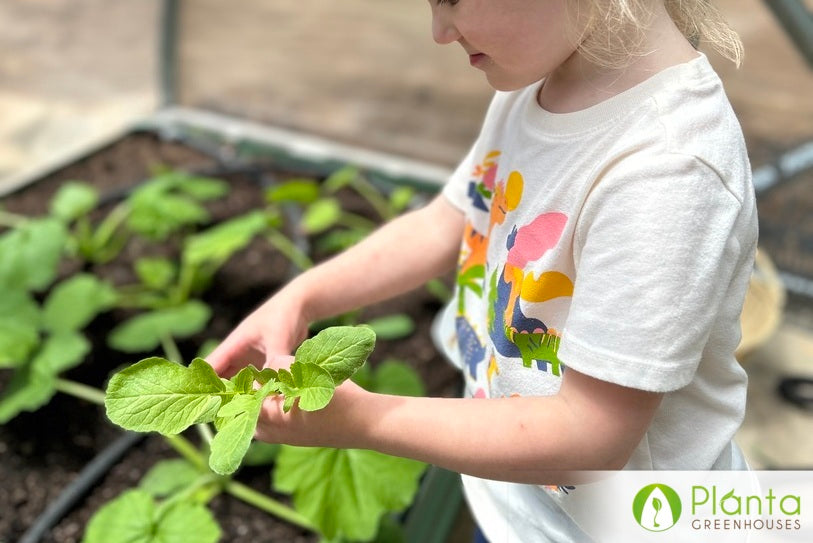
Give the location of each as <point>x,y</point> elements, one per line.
<point>456,188</point>
<point>655,249</point>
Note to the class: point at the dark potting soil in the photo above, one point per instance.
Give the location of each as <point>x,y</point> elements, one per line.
<point>42,452</point>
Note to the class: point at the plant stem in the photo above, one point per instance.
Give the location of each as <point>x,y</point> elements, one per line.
<point>109,225</point>
<point>267,504</point>
<point>207,479</point>
<point>353,220</point>
<point>78,390</point>
<point>187,450</point>
<point>12,220</point>
<point>171,349</point>
<point>205,432</point>
<point>183,447</point>
<point>370,193</point>
<point>289,249</point>
<point>173,353</point>
<point>240,491</point>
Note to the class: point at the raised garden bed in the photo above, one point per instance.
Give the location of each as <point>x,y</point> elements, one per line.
<point>41,452</point>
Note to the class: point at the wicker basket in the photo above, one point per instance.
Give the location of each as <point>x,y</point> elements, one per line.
<point>764,303</point>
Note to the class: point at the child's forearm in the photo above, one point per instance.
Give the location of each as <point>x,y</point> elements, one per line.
<point>589,425</point>
<point>398,257</point>
<point>525,440</point>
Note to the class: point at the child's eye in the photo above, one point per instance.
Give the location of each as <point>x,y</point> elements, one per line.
<point>450,2</point>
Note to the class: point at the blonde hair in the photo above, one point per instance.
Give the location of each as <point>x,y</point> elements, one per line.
<point>616,29</point>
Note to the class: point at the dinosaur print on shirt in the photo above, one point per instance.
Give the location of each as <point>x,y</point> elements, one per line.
<point>510,332</point>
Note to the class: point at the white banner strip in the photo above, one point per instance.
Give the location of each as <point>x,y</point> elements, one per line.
<point>695,506</point>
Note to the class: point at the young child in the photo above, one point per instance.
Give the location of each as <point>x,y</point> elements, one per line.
<point>604,228</point>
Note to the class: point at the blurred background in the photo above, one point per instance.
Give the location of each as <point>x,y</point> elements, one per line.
<point>77,73</point>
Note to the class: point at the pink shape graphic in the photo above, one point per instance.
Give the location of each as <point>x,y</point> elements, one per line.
<point>534,239</point>
<point>488,178</point>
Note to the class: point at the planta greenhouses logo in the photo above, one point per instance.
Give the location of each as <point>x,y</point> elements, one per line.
<point>656,507</point>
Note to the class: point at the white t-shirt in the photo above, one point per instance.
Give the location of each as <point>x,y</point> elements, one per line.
<point>617,241</point>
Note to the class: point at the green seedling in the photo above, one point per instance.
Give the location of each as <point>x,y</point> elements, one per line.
<point>346,492</point>
<point>392,376</point>
<point>162,205</point>
<point>45,341</point>
<point>323,216</point>
<point>73,204</point>
<point>148,331</point>
<point>135,516</point>
<point>30,254</point>
<point>164,284</point>
<point>169,202</point>
<point>158,395</point>
<point>340,493</point>
<point>387,207</point>
<point>392,327</point>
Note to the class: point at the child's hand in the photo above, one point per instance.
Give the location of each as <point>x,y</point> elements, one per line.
<point>275,328</point>
<point>336,425</point>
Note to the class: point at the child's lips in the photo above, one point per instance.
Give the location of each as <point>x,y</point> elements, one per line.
<point>476,58</point>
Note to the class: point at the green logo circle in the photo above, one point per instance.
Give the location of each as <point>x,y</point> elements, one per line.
<point>656,507</point>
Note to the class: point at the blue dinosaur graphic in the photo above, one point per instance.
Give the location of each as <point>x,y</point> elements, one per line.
<point>471,348</point>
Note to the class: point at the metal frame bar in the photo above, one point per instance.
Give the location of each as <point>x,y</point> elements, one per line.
<point>168,53</point>
<point>797,20</point>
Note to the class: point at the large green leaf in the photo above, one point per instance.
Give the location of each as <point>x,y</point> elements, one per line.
<point>28,390</point>
<point>30,254</point>
<point>400,198</point>
<point>60,352</point>
<point>310,383</point>
<point>391,377</point>
<point>73,200</point>
<point>19,327</point>
<point>156,273</point>
<point>321,215</point>
<point>134,517</point>
<point>344,493</point>
<point>396,326</point>
<point>169,201</point>
<point>73,303</point>
<point>239,422</point>
<point>336,241</point>
<point>219,243</point>
<point>144,332</point>
<point>260,453</point>
<point>300,191</point>
<point>18,305</point>
<point>17,341</point>
<point>343,177</point>
<point>156,395</point>
<point>199,187</point>
<point>157,216</point>
<point>34,384</point>
<point>169,476</point>
<point>341,350</point>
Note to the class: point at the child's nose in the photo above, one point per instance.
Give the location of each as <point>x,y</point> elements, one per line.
<point>443,31</point>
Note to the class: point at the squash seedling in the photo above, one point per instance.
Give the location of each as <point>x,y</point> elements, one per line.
<point>45,341</point>
<point>163,283</point>
<point>323,216</point>
<point>158,395</point>
<point>162,205</point>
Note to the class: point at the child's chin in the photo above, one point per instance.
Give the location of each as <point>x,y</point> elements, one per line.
<point>505,84</point>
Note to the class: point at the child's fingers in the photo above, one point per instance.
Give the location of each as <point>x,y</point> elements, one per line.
<point>278,361</point>
<point>232,354</point>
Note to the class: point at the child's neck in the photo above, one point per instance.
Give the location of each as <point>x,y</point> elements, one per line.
<point>578,84</point>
